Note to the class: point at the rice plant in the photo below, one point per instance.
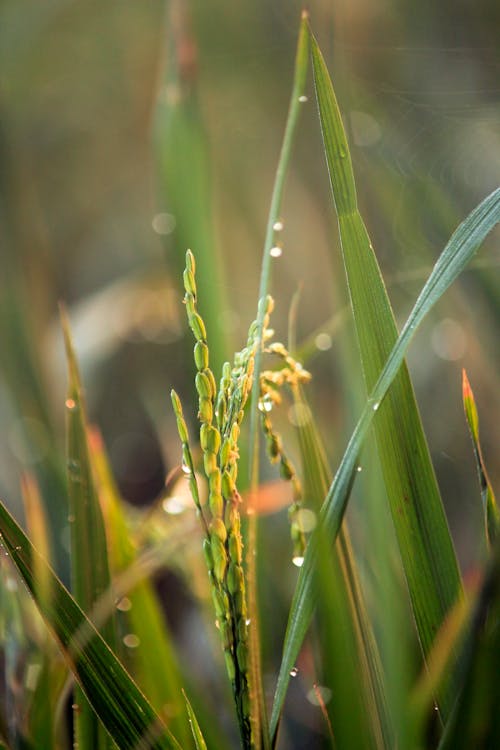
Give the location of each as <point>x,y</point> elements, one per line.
<point>410,662</point>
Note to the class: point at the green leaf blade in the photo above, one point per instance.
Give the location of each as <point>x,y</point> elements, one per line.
<point>113,695</point>
<point>454,258</point>
<point>424,540</point>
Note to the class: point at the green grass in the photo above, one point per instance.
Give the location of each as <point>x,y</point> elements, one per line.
<point>409,662</point>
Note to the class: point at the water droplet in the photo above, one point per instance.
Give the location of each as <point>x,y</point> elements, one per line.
<point>359,468</point>
<point>18,548</point>
<point>186,470</point>
<point>323,341</point>
<point>124,604</point>
<point>248,621</point>
<point>70,404</point>
<point>303,99</point>
<point>298,560</point>
<point>276,251</point>
<point>294,672</point>
<point>376,405</point>
<point>131,640</point>
<point>278,226</point>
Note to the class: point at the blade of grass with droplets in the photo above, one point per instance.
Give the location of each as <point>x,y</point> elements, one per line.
<point>152,662</point>
<point>490,507</point>
<point>296,103</point>
<point>114,696</point>
<point>452,261</point>
<point>339,581</point>
<point>90,576</point>
<point>424,541</point>
<point>195,727</point>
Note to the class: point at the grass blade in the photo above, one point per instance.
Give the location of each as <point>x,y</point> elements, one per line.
<point>153,662</point>
<point>115,698</point>
<point>296,100</point>
<point>195,727</point>
<point>342,583</point>
<point>425,544</point>
<point>491,513</point>
<point>90,577</point>
<point>454,258</point>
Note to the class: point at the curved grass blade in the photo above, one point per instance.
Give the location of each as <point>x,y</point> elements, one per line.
<point>424,540</point>
<point>490,507</point>
<point>195,727</point>
<point>452,261</point>
<point>296,102</point>
<point>113,695</point>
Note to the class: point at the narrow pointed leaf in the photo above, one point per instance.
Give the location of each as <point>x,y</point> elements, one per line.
<point>454,258</point>
<point>424,540</point>
<point>490,507</point>
<point>195,727</point>
<point>90,576</point>
<point>113,695</point>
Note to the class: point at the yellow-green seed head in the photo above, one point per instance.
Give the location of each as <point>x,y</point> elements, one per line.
<point>182,430</point>
<point>231,516</point>
<point>221,603</point>
<point>235,548</point>
<point>230,668</point>
<point>225,452</point>
<point>209,438</point>
<point>220,558</point>
<point>205,410</point>
<point>226,374</point>
<point>226,632</point>
<point>176,403</point>
<point>190,261</point>
<point>234,578</point>
<point>203,385</point>
<point>214,481</point>
<point>189,282</point>
<point>217,529</point>
<point>201,355</point>
<point>235,433</point>
<point>228,487</point>
<point>216,504</point>
<point>209,462</point>
<point>197,326</point>
<point>190,303</point>
<point>207,551</point>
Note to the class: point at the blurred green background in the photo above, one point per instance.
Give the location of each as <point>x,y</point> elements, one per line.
<point>131,131</point>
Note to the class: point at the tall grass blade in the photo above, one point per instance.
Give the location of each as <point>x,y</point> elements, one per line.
<point>490,507</point>
<point>195,727</point>
<point>152,662</point>
<point>90,576</point>
<point>452,261</point>
<point>422,532</point>
<point>296,102</point>
<point>114,696</point>
<point>339,581</point>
